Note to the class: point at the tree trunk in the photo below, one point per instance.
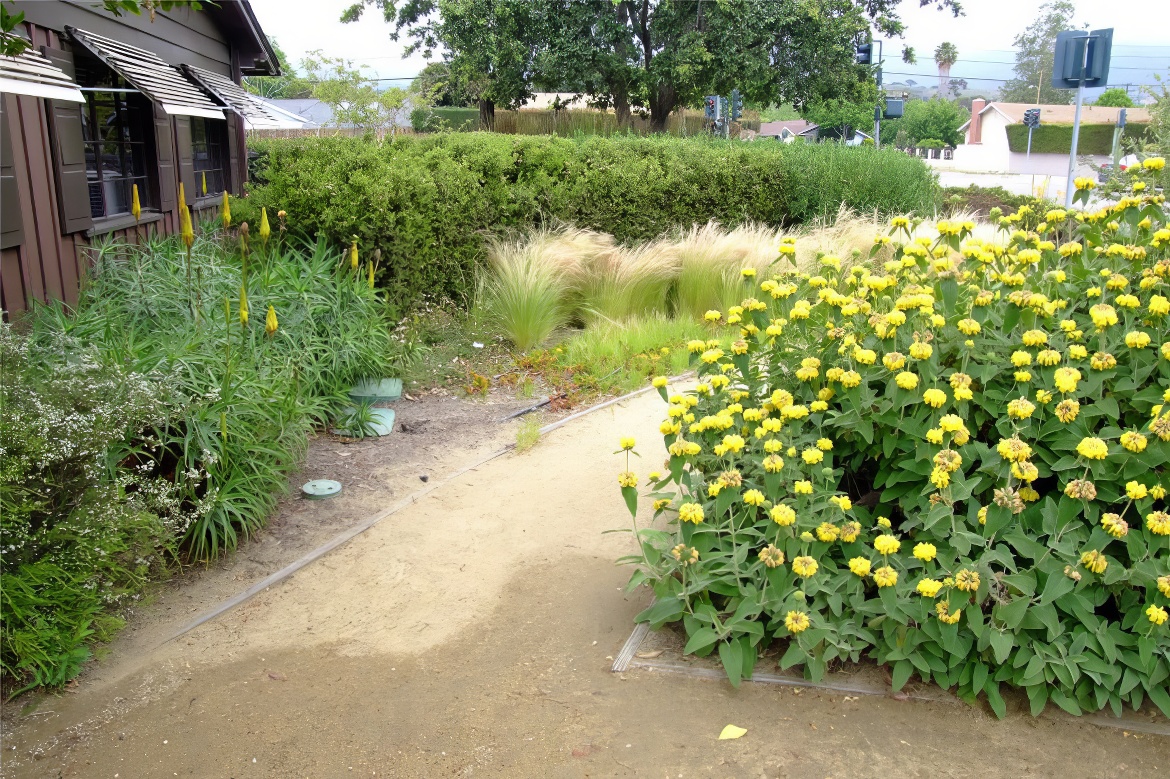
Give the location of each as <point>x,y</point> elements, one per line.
<point>662,102</point>
<point>619,89</point>
<point>487,114</point>
<point>621,109</point>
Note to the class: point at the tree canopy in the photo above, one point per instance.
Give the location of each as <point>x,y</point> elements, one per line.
<point>654,54</point>
<point>443,87</point>
<point>839,118</point>
<point>1115,97</point>
<point>1035,47</point>
<point>353,96</point>
<point>939,119</point>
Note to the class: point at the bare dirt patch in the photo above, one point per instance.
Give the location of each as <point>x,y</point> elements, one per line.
<point>472,634</point>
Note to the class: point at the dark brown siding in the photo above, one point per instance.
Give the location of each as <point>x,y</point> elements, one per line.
<point>177,36</point>
<point>50,264</point>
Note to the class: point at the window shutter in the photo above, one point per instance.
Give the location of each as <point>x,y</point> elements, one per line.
<point>69,166</point>
<point>184,155</point>
<point>236,174</point>
<point>68,149</point>
<point>62,59</point>
<point>165,154</point>
<point>11,219</point>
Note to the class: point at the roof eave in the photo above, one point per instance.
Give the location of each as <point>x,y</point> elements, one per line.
<point>239,23</point>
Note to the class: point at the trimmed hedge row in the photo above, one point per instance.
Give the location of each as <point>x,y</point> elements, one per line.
<point>428,203</point>
<point>1057,138</point>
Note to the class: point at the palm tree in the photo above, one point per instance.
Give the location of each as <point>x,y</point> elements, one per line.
<point>944,56</point>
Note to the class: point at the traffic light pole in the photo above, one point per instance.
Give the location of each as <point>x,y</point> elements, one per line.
<point>1029,158</point>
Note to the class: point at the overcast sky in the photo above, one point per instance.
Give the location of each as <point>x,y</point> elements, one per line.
<point>983,36</point>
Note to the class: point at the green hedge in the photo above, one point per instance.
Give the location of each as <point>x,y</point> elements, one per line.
<point>458,119</point>
<point>1057,138</point>
<point>428,203</point>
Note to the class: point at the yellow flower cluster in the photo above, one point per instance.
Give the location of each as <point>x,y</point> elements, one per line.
<point>1037,347</point>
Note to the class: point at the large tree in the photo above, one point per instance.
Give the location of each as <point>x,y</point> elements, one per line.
<point>490,44</point>
<point>1115,97</point>
<point>445,90</point>
<point>1034,54</point>
<point>660,54</point>
<point>945,56</point>
<point>354,97</point>
<point>937,119</point>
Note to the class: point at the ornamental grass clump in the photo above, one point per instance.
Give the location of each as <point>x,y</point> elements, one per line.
<point>617,284</point>
<point>711,261</point>
<point>525,291</point>
<point>952,461</point>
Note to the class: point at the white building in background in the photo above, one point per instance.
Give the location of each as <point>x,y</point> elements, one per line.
<point>543,101</point>
<point>986,148</point>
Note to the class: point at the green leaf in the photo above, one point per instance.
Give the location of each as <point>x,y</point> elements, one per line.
<point>1001,645</point>
<point>903,669</point>
<point>1012,614</point>
<point>731,654</point>
<point>662,611</point>
<point>703,637</point>
<point>978,676</point>
<point>1057,586</point>
<point>793,656</point>
<point>637,579</point>
<point>995,699</point>
<point>1037,698</point>
<point>631,496</point>
<point>1064,702</point>
<point>1146,647</point>
<point>998,517</point>
<point>1161,699</point>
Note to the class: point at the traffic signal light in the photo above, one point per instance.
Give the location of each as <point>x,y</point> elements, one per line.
<point>711,106</point>
<point>864,54</point>
<point>1032,118</point>
<point>736,104</point>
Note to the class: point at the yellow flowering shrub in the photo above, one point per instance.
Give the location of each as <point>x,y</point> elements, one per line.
<point>875,476</point>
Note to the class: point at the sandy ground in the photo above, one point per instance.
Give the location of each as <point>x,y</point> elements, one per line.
<point>471,634</point>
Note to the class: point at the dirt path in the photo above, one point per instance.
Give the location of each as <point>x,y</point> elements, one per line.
<point>471,634</point>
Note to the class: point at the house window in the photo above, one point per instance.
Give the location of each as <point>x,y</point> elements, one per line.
<point>117,129</point>
<point>209,155</point>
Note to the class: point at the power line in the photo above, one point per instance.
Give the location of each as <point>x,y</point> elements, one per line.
<point>997,62</point>
<point>953,77</point>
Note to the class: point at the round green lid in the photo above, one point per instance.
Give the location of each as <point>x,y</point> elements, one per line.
<point>319,489</point>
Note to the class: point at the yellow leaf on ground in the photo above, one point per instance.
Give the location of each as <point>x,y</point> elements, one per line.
<point>731,731</point>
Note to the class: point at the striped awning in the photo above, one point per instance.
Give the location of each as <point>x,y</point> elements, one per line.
<point>31,73</point>
<point>164,84</point>
<point>256,113</point>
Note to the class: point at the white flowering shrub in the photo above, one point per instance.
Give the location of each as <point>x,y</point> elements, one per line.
<point>78,532</point>
<point>953,462</point>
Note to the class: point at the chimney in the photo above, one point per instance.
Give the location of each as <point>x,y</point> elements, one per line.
<point>975,129</point>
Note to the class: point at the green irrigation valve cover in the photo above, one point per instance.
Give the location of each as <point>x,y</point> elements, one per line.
<point>381,422</point>
<point>319,489</point>
<point>376,391</point>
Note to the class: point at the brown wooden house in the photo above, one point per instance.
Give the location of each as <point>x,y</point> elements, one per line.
<point>99,104</point>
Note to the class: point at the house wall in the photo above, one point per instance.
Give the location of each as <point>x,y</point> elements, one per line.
<point>993,155</point>
<point>51,264</point>
<point>178,36</point>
